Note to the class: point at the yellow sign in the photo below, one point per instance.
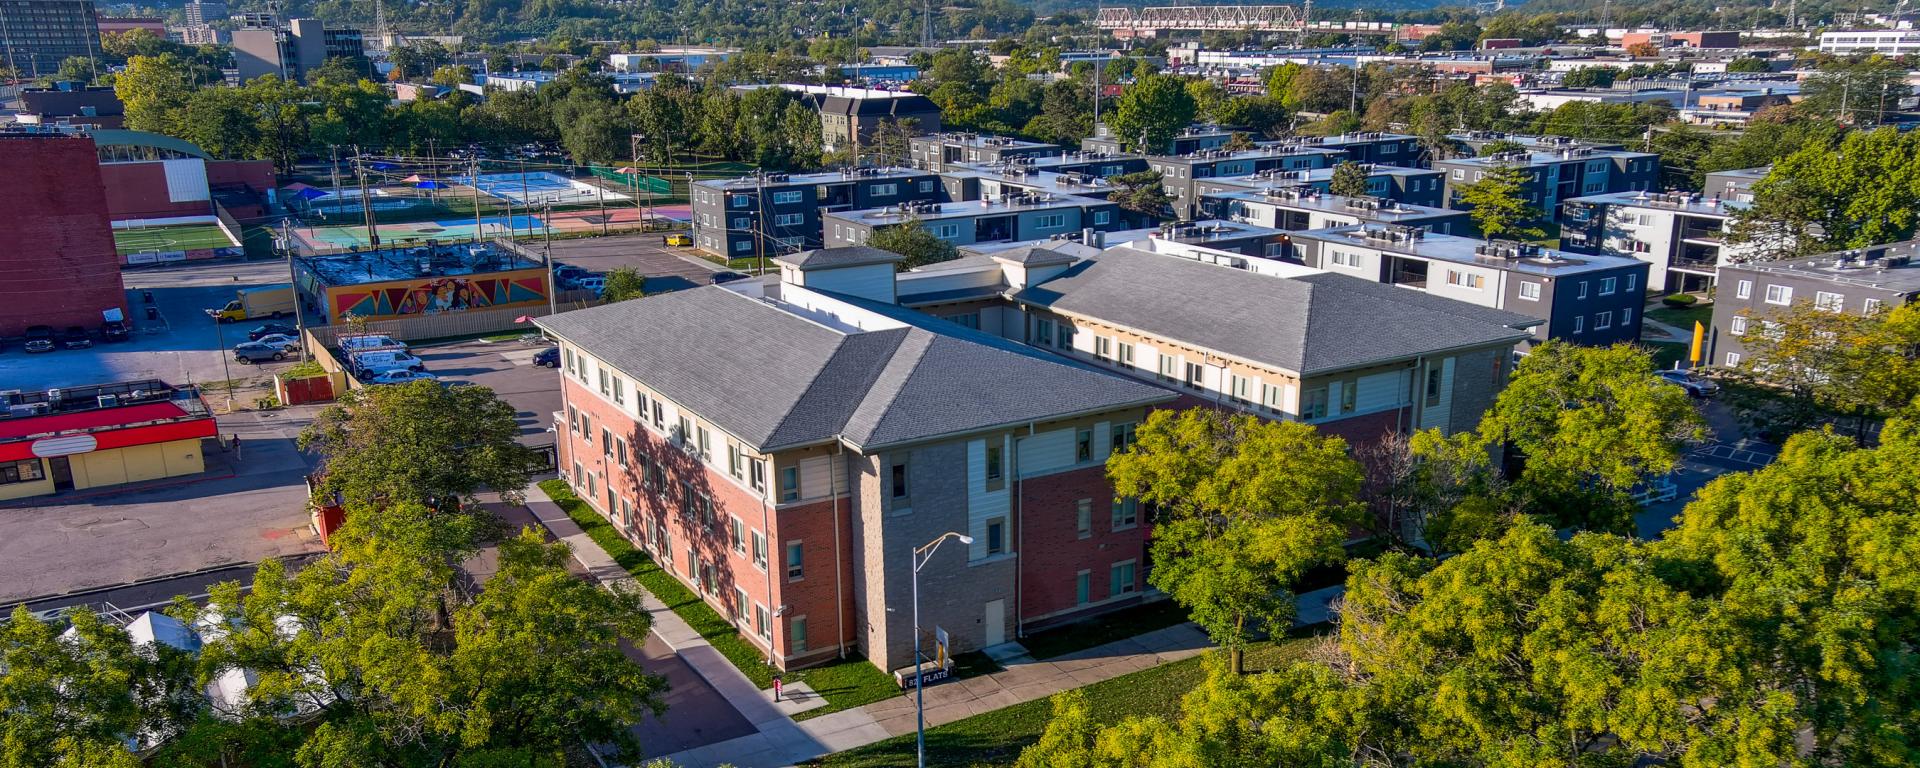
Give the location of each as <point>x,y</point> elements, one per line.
<point>1699,336</point>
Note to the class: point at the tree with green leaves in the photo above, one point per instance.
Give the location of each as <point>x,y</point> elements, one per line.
<point>892,140</point>
<point>1501,147</point>
<point>1141,192</point>
<point>1589,423</point>
<point>1828,197</point>
<point>915,243</point>
<point>1152,110</point>
<point>1498,204</point>
<point>1349,180</point>
<point>1590,77</point>
<point>623,283</point>
<point>419,442</point>
<point>75,701</point>
<point>152,89</point>
<point>1245,507</point>
<point>1805,364</point>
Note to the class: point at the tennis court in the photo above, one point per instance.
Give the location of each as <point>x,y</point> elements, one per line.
<point>449,230</point>
<point>176,237</point>
<point>536,187</point>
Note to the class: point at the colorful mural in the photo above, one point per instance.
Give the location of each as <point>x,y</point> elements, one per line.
<point>433,296</point>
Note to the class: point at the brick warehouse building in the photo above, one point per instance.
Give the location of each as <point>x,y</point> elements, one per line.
<point>61,265</point>
<point>783,448</point>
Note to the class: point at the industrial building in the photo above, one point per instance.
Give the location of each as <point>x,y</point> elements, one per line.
<point>61,264</point>
<point>76,438</point>
<point>419,280</point>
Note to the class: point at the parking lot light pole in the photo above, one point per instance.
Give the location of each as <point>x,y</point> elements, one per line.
<point>920,557</point>
<point>220,332</point>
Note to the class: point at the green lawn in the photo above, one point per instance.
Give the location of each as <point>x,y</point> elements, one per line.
<point>996,738</point>
<point>184,237</point>
<point>1683,317</point>
<point>844,684</point>
<point>1666,355</point>
<point>1118,625</point>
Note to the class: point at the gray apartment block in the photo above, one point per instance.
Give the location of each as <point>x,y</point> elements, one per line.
<point>1091,163</point>
<point>1218,234</point>
<point>1414,186</point>
<point>1594,300</point>
<point>950,151</point>
<point>1557,176</point>
<point>1683,235</point>
<point>993,182</point>
<point>1858,282</point>
<point>1191,139</point>
<point>40,34</point>
<point>293,50</point>
<point>782,212</point>
<point>1180,173</point>
<point>1475,140</point>
<point>1020,217</point>
<point>1735,186</point>
<point>1306,207</point>
<point>1362,147</point>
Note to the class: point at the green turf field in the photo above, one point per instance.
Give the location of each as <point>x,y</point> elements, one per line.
<point>183,237</point>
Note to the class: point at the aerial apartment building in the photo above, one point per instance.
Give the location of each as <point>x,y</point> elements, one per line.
<point>40,34</point>
<point>1017,216</point>
<point>1861,281</point>
<point>782,212</point>
<point>782,445</point>
<point>1476,140</point>
<point>1191,139</point>
<point>1414,186</point>
<point>1683,235</point>
<point>1555,176</point>
<point>1088,163</point>
<point>1372,147</point>
<point>265,47</point>
<point>1594,300</point>
<point>1736,185</point>
<point>998,180</point>
<point>1180,173</point>
<point>948,151</point>
<point>1304,207</point>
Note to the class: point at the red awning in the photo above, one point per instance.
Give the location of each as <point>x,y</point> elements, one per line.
<point>66,433</point>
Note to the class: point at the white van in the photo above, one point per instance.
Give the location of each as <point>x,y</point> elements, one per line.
<point>351,344</point>
<point>380,360</point>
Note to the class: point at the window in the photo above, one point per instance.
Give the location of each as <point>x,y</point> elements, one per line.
<point>1240,388</point>
<point>1436,382</point>
<point>1630,281</point>
<point>761,625</point>
<point>787,196</point>
<point>996,536</point>
<point>1125,356</point>
<point>1066,335</point>
<point>900,479</point>
<point>1738,327</point>
<point>1103,347</point>
<point>1626,316</point>
<point>1196,373</point>
<point>884,190</point>
<point>1349,395</point>
<point>1779,294</point>
<point>1582,293</point>
<point>737,534</point>
<point>736,464</point>
<point>1050,221</point>
<point>797,629</point>
<point>1126,513</point>
<point>1272,396</point>
<point>1123,436</point>
<point>621,451</point>
<point>1606,286</point>
<point>1314,404</point>
<point>742,222</point>
<point>1083,588</point>
<point>789,484</point>
<point>685,432</point>
<point>1602,321</point>
<point>757,474</point>
<point>789,219</point>
<point>606,443</point>
<point>1043,332</point>
<point>1733,359</point>
<point>569,361</point>
<point>739,604</point>
<point>1168,367</point>
<point>743,245</point>
<point>1744,290</point>
<point>796,561</point>
<point>1827,301</point>
<point>993,463</point>
<point>759,541</point>
<point>1871,306</point>
<point>1465,279</point>
<point>1530,291</point>
<point>737,201</point>
<point>1083,445</point>
<point>659,415</point>
<point>1344,259</point>
<point>1123,579</point>
<point>1083,518</point>
<point>1102,217</point>
<point>30,470</point>
<point>926,185</point>
<point>704,441</point>
<point>946,231</point>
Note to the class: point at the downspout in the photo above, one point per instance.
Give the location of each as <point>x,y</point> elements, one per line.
<point>766,524</point>
<point>839,601</point>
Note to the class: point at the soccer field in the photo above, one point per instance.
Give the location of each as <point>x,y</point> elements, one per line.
<point>184,237</point>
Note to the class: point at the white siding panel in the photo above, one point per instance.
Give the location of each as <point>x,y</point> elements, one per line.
<point>186,180</point>
<point>815,472</point>
<point>982,504</point>
<point>1046,452</point>
<point>1380,391</point>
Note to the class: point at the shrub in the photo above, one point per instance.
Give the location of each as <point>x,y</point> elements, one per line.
<point>1680,300</point>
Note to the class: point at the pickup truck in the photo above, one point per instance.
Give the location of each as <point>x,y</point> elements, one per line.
<point>255,303</point>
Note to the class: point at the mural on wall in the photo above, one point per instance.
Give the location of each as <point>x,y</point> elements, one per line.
<point>438,295</point>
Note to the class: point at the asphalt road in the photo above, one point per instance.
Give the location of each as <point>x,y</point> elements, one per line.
<point>666,268</point>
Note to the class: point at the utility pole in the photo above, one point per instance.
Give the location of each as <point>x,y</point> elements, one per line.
<point>366,203</point>
<point>293,278</point>
<point>474,179</point>
<point>546,254</point>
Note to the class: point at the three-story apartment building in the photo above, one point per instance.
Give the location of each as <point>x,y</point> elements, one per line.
<point>949,151</point>
<point>1305,207</point>
<point>1555,176</point>
<point>1682,235</point>
<point>1857,282</point>
<point>781,212</point>
<point>1011,217</point>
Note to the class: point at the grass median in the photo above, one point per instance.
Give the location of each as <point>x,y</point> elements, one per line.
<point>844,684</point>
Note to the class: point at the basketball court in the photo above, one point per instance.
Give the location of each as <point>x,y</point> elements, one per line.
<point>538,187</point>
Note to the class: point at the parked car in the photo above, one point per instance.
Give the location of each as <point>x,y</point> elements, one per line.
<point>379,360</point>
<point>1694,385</point>
<point>547,358</point>
<point>280,341</point>
<point>272,329</point>
<point>400,377</point>
<point>726,277</point>
<point>251,352</point>
<point>595,283</point>
<point>115,330</point>
<point>677,238</point>
<point>75,337</point>
<point>566,273</point>
<point>40,339</point>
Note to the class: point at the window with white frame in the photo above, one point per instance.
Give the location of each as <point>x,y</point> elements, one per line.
<point>759,542</point>
<point>1050,221</point>
<point>1606,286</point>
<point>1779,294</point>
<point>1733,359</point>
<point>1465,279</point>
<point>1743,290</point>
<point>1124,354</point>
<point>1828,301</point>
<point>1346,259</point>
<point>1083,518</point>
<point>884,190</point>
<point>1871,306</point>
<point>1581,292</point>
<point>1271,396</point>
<point>789,220</point>
<point>796,561</point>
<point>1313,403</point>
<point>1126,513</point>
<point>1124,579</point>
<point>1102,217</point>
<point>786,196</point>
<point>737,201</point>
<point>1602,321</point>
<point>1530,291</point>
<point>1738,326</point>
<point>946,231</point>
<point>1579,323</point>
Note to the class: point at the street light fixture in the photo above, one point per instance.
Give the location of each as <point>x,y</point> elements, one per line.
<point>921,555</point>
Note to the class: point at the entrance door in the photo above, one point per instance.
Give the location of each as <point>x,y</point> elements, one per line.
<point>62,473</point>
<point>996,624</point>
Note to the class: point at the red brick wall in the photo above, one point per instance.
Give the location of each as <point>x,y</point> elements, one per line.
<point>828,611</point>
<point>1054,551</point>
<point>59,260</point>
<point>255,175</point>
<point>139,191</point>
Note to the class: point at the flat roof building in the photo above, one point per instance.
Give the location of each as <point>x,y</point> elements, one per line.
<point>948,151</point>
<point>61,262</point>
<point>773,213</point>
<point>1735,185</point>
<point>1306,207</point>
<point>1682,235</point>
<point>1860,281</point>
<point>74,438</point>
<point>1192,138</point>
<point>1024,216</point>
<point>420,280</point>
<point>1555,176</point>
<point>292,50</point>
<point>1593,300</point>
<point>40,34</point>
<point>1180,173</point>
<point>1414,186</point>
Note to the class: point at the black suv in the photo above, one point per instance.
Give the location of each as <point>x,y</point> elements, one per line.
<point>75,337</point>
<point>40,339</point>
<point>270,329</point>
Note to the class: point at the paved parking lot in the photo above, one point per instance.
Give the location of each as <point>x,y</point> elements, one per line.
<point>507,368</point>
<point>666,268</point>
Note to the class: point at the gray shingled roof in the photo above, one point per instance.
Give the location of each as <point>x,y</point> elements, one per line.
<point>776,380</point>
<point>830,258</point>
<point>1034,256</point>
<point>1309,325</point>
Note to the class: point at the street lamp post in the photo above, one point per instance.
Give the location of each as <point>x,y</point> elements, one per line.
<point>921,555</point>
